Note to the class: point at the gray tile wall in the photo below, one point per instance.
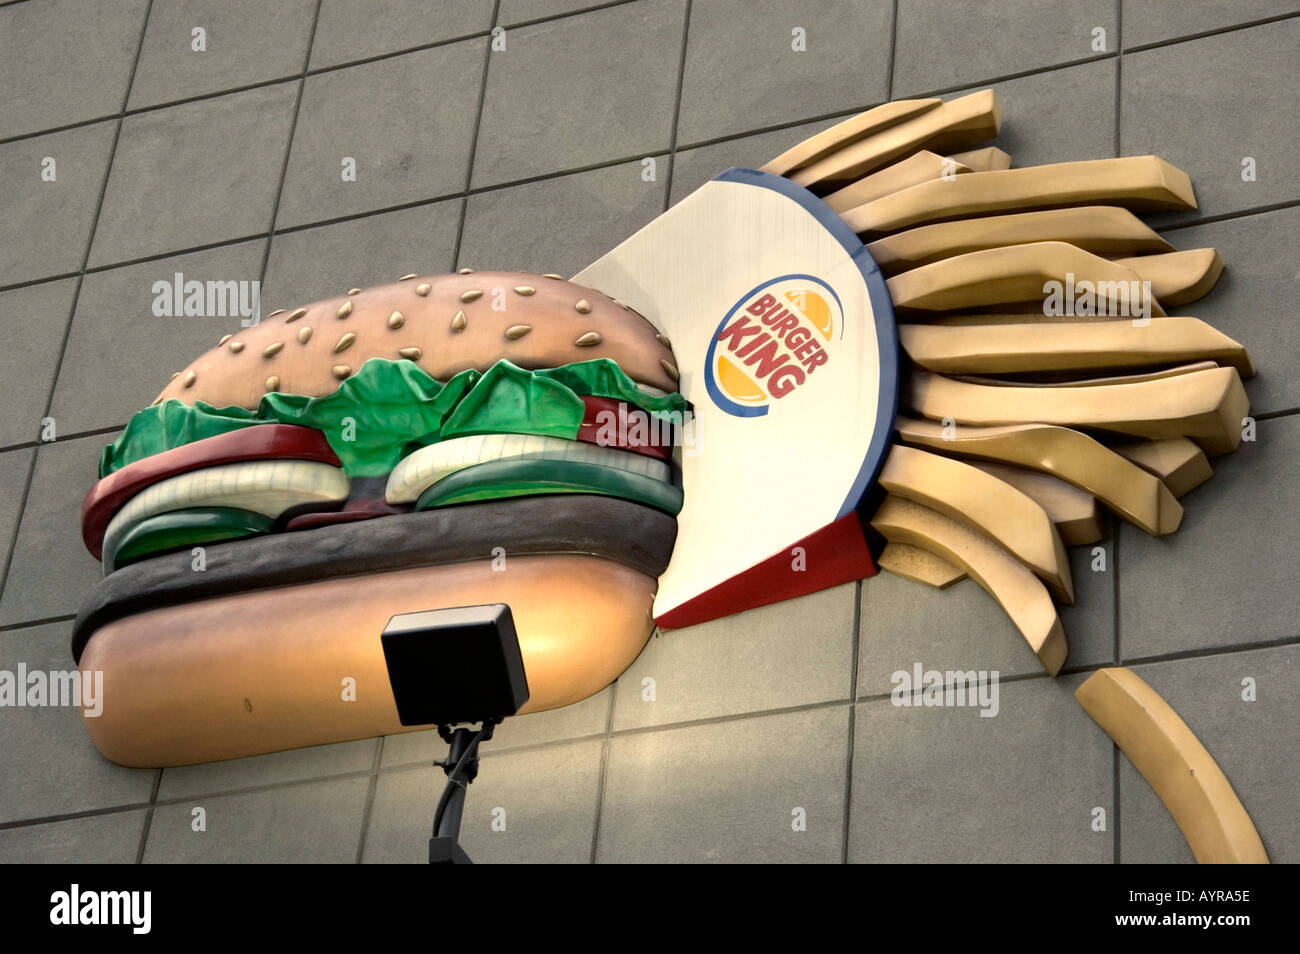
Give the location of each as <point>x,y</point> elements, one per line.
<point>225,164</point>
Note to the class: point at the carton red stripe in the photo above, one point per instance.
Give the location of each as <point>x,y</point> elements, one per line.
<point>835,554</point>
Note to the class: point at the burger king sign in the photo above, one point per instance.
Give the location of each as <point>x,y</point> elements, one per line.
<point>775,330</point>
<point>784,334</point>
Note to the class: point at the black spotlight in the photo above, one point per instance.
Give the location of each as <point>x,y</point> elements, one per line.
<point>455,667</point>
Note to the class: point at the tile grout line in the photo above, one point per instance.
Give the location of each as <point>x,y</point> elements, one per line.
<point>853,713</point>
<point>204,97</point>
<point>266,252</point>
<point>377,760</point>
<point>148,816</point>
<point>74,816</point>
<point>1115,822</point>
<point>1119,70</point>
<point>1007,77</point>
<point>779,126</point>
<point>1232,28</point>
<point>76,295</point>
<point>12,548</point>
<point>1117,531</point>
<point>190,250</point>
<point>848,787</point>
<point>733,716</point>
<point>48,620</point>
<point>1230,216</point>
<point>893,47</point>
<point>473,141</point>
<point>231,91</point>
<point>455,263</point>
<point>332,68</point>
<point>574,13</point>
<point>466,193</point>
<point>709,720</point>
<point>1116,590</point>
<point>491,754</point>
<point>613,734</point>
<point>1173,656</point>
<point>74,436</point>
<point>593,8</point>
<point>608,164</point>
<point>94,225</point>
<point>54,130</point>
<point>288,152</point>
<point>677,107</point>
<point>380,57</point>
<point>188,797</point>
<point>857,603</point>
<point>32,283</point>
<point>310,73</point>
<point>606,743</point>
<point>461,215</point>
<point>1278,642</point>
<point>701,143</point>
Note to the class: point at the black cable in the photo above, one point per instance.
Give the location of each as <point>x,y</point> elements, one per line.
<point>453,779</point>
<point>442,806</point>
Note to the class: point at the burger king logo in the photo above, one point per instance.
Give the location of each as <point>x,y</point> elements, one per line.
<point>771,342</point>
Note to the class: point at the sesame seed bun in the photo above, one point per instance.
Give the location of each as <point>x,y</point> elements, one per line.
<point>444,323</point>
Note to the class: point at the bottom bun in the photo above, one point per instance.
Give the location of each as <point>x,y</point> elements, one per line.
<point>266,670</point>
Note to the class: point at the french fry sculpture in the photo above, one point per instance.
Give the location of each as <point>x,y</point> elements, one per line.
<point>1106,405</point>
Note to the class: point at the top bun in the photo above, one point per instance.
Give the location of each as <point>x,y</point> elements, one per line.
<point>444,323</point>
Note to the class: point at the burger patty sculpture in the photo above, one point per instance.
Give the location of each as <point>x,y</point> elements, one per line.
<point>942,366</point>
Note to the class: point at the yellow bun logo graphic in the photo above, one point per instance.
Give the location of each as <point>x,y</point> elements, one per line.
<point>771,342</point>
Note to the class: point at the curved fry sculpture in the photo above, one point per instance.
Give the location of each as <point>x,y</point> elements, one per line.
<point>1175,764</point>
